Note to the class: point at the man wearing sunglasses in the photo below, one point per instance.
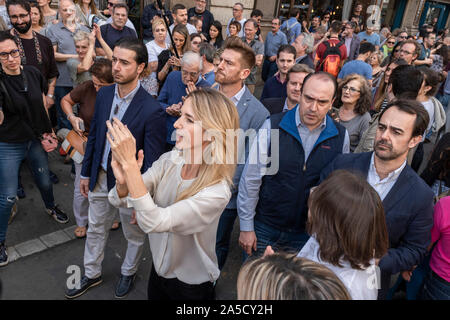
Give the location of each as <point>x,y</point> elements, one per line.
<point>402,36</point>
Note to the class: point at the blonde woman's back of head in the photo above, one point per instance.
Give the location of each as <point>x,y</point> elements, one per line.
<point>283,276</point>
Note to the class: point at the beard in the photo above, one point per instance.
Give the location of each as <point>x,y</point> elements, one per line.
<point>384,155</point>
<point>120,79</point>
<point>22,29</point>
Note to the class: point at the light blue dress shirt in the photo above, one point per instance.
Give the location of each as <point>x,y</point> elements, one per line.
<point>255,167</point>
<point>122,107</point>
<point>273,43</point>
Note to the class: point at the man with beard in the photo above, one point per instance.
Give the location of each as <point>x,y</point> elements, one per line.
<point>236,62</point>
<point>61,36</point>
<point>128,102</point>
<point>407,199</point>
<point>35,49</point>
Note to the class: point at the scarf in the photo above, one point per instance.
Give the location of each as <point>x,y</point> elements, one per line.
<point>37,47</point>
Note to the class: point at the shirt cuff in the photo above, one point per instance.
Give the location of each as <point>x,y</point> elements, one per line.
<point>246,225</point>
<point>115,200</point>
<point>83,177</point>
<point>144,203</point>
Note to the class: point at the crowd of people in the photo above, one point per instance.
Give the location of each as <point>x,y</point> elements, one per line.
<point>328,170</point>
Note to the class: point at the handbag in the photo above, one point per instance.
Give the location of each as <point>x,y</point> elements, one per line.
<point>49,141</point>
<point>75,146</point>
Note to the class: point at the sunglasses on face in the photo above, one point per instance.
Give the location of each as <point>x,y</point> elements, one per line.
<point>391,42</point>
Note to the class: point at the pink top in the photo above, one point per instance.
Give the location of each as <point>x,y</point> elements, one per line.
<point>440,258</point>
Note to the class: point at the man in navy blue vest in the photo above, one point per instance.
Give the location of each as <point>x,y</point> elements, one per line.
<point>272,199</point>
<point>407,199</point>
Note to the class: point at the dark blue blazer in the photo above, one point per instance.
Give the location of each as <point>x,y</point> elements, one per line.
<point>145,119</point>
<point>409,214</point>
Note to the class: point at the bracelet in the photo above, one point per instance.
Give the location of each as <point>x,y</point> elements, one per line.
<point>70,115</point>
<point>51,96</point>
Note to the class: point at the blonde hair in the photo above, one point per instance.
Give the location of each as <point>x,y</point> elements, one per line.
<point>157,22</point>
<point>217,114</point>
<point>282,276</point>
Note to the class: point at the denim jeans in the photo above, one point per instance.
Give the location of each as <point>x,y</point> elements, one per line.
<point>224,230</point>
<point>11,155</point>
<point>435,288</point>
<point>279,240</point>
<point>60,92</point>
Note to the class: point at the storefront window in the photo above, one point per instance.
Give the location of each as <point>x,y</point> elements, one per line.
<point>319,7</point>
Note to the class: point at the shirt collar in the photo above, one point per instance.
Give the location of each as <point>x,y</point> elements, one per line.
<point>129,96</point>
<point>237,97</point>
<point>391,176</point>
<point>277,76</point>
<point>300,58</point>
<point>286,108</point>
<point>299,123</point>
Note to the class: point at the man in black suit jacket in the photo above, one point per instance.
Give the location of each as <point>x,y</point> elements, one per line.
<point>294,83</point>
<point>407,200</point>
<point>128,102</point>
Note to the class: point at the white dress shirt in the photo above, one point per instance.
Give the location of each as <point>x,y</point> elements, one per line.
<point>382,186</point>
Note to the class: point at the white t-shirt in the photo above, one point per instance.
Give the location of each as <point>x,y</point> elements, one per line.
<point>361,284</point>
<point>154,50</point>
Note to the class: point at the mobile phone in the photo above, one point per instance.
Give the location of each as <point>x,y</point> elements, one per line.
<point>81,126</point>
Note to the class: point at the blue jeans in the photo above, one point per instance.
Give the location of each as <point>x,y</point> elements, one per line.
<point>60,92</point>
<point>279,240</point>
<point>223,237</point>
<point>268,70</point>
<point>11,155</point>
<point>435,288</point>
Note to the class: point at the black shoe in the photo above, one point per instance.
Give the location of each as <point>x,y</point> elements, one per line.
<point>3,255</point>
<point>124,286</point>
<point>21,192</point>
<point>85,284</point>
<point>58,215</point>
<point>53,177</point>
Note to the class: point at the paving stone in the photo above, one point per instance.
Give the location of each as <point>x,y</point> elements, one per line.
<point>13,255</point>
<point>55,238</point>
<point>29,247</point>
<point>70,231</point>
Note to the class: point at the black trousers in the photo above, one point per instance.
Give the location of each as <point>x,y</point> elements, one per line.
<point>160,288</point>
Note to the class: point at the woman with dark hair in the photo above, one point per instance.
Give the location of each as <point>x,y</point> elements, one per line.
<point>234,28</point>
<point>437,172</point>
<point>196,40</point>
<point>352,105</point>
<point>167,59</point>
<point>84,96</point>
<point>215,34</point>
<point>348,231</point>
<point>440,57</point>
<point>394,55</point>
<point>37,18</point>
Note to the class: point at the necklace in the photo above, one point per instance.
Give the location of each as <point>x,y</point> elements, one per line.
<point>37,47</point>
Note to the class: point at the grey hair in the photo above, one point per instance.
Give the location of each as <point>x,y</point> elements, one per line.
<point>80,36</point>
<point>192,58</point>
<point>207,50</point>
<point>308,41</point>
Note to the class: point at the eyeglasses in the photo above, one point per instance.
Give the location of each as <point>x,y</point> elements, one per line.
<point>402,37</point>
<point>195,43</point>
<point>21,16</point>
<point>391,42</point>
<point>405,52</point>
<point>13,53</point>
<point>191,74</point>
<point>351,89</point>
<point>110,4</point>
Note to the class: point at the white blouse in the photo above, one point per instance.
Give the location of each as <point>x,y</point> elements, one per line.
<point>182,234</point>
<point>361,284</point>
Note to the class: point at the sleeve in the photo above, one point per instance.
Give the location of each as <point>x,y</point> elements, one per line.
<point>364,125</point>
<point>155,136</point>
<point>77,93</point>
<point>88,154</point>
<point>438,218</point>
<point>414,243</point>
<point>185,217</point>
<point>377,42</point>
<point>152,57</point>
<point>260,48</point>
<point>251,178</point>
<point>369,72</point>
<point>162,59</point>
<point>265,92</point>
<point>50,34</point>
<point>283,38</point>
<point>163,97</point>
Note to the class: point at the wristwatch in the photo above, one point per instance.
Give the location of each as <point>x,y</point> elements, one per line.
<point>51,96</point>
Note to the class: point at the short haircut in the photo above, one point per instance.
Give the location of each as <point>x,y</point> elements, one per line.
<point>294,12</point>
<point>195,35</point>
<point>298,68</point>
<point>366,47</point>
<point>158,22</point>
<point>5,35</point>
<point>248,58</point>
<point>102,70</point>
<point>282,276</point>
<point>237,25</point>
<point>207,50</point>
<point>351,24</point>
<point>365,94</point>
<point>321,30</point>
<point>336,27</point>
<point>252,21</point>
<point>308,41</point>
<point>256,13</point>
<point>347,219</point>
<point>239,4</point>
<point>177,7</point>
<point>417,49</point>
<point>411,107</point>
<point>23,3</point>
<point>428,34</point>
<point>135,45</point>
<point>287,48</point>
<point>80,35</point>
<point>121,5</point>
<point>191,58</point>
<point>406,81</point>
<point>324,76</point>
<point>194,20</point>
